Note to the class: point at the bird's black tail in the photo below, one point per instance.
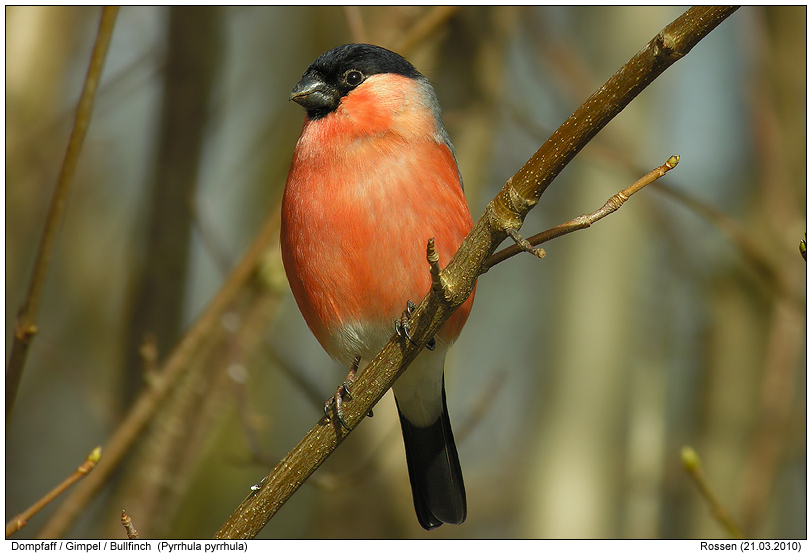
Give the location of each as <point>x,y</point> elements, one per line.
<point>434,471</point>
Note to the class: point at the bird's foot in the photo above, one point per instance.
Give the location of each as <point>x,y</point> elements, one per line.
<point>343,394</point>
<point>402,327</point>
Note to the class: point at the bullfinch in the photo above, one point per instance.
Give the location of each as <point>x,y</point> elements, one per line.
<point>373,178</point>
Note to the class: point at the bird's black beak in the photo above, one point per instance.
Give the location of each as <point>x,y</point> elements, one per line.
<point>315,96</point>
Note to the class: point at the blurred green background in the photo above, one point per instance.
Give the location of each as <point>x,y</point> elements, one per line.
<point>578,378</point>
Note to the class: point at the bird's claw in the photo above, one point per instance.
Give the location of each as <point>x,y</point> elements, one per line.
<point>402,327</point>
<point>342,394</point>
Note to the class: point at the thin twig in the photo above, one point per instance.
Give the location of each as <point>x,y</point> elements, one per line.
<point>693,466</point>
<point>127,523</point>
<point>506,211</point>
<point>585,220</point>
<point>26,327</point>
<point>16,523</point>
<point>524,245</point>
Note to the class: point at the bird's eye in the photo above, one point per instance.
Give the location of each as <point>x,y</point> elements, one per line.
<point>354,77</point>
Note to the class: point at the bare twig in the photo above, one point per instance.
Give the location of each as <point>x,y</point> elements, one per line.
<point>16,523</point>
<point>583,221</point>
<point>127,523</point>
<point>26,327</point>
<point>524,245</point>
<point>506,211</point>
<point>693,466</point>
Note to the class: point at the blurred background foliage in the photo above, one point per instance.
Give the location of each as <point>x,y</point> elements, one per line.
<point>679,320</point>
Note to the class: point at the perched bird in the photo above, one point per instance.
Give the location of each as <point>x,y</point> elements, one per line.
<point>373,178</point>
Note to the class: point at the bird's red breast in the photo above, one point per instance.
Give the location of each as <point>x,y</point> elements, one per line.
<point>369,184</point>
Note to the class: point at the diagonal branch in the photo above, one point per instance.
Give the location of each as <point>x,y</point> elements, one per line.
<point>26,327</point>
<point>506,211</point>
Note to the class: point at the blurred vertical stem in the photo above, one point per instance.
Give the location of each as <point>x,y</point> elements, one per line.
<point>193,56</point>
<point>194,44</point>
<point>26,327</point>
